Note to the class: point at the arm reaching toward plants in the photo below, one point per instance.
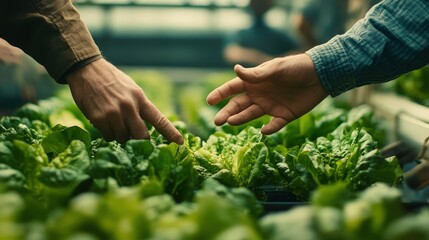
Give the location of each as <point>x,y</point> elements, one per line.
<point>115,104</point>
<point>285,88</point>
<point>54,35</point>
<point>391,40</point>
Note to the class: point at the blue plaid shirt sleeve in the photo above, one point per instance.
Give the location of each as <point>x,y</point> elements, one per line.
<point>392,39</point>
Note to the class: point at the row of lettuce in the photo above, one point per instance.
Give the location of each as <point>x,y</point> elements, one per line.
<point>323,147</point>
<point>216,212</point>
<point>60,180</point>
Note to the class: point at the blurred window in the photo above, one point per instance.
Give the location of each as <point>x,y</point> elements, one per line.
<point>125,17</point>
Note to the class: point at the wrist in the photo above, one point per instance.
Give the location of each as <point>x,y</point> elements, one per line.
<point>68,75</point>
<point>308,75</point>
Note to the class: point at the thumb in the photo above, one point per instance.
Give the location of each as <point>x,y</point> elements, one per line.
<point>251,75</point>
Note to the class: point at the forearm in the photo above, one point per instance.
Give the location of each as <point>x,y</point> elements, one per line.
<point>49,31</point>
<point>392,39</point>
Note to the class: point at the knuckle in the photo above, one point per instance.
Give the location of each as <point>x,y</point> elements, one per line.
<point>127,105</point>
<point>109,112</point>
<point>137,92</point>
<point>95,118</point>
<point>103,115</point>
<point>123,139</point>
<point>257,73</point>
<point>162,122</point>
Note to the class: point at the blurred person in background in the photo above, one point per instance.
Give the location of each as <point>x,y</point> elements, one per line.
<point>357,10</point>
<point>313,22</point>
<point>53,33</point>
<point>259,42</point>
<point>317,21</point>
<point>392,39</point>
<point>19,79</point>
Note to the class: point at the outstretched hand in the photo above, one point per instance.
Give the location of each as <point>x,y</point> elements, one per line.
<point>116,105</point>
<point>285,88</point>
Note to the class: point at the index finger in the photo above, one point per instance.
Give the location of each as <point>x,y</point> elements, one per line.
<point>161,123</point>
<point>226,90</point>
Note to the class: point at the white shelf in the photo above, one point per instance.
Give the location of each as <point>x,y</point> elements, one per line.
<point>408,121</point>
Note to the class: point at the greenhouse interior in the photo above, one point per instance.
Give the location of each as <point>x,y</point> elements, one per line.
<point>353,166</point>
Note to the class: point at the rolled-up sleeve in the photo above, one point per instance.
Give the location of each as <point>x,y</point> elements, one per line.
<point>391,40</point>
<point>50,31</point>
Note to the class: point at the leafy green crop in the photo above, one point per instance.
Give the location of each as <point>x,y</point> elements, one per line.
<point>323,120</point>
<point>349,156</point>
<point>337,213</point>
<point>414,85</point>
<point>65,182</point>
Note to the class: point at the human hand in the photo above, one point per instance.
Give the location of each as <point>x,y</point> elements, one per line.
<point>116,105</point>
<point>285,88</point>
<point>10,54</point>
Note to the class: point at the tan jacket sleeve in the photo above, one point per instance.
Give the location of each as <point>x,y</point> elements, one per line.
<point>50,31</point>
